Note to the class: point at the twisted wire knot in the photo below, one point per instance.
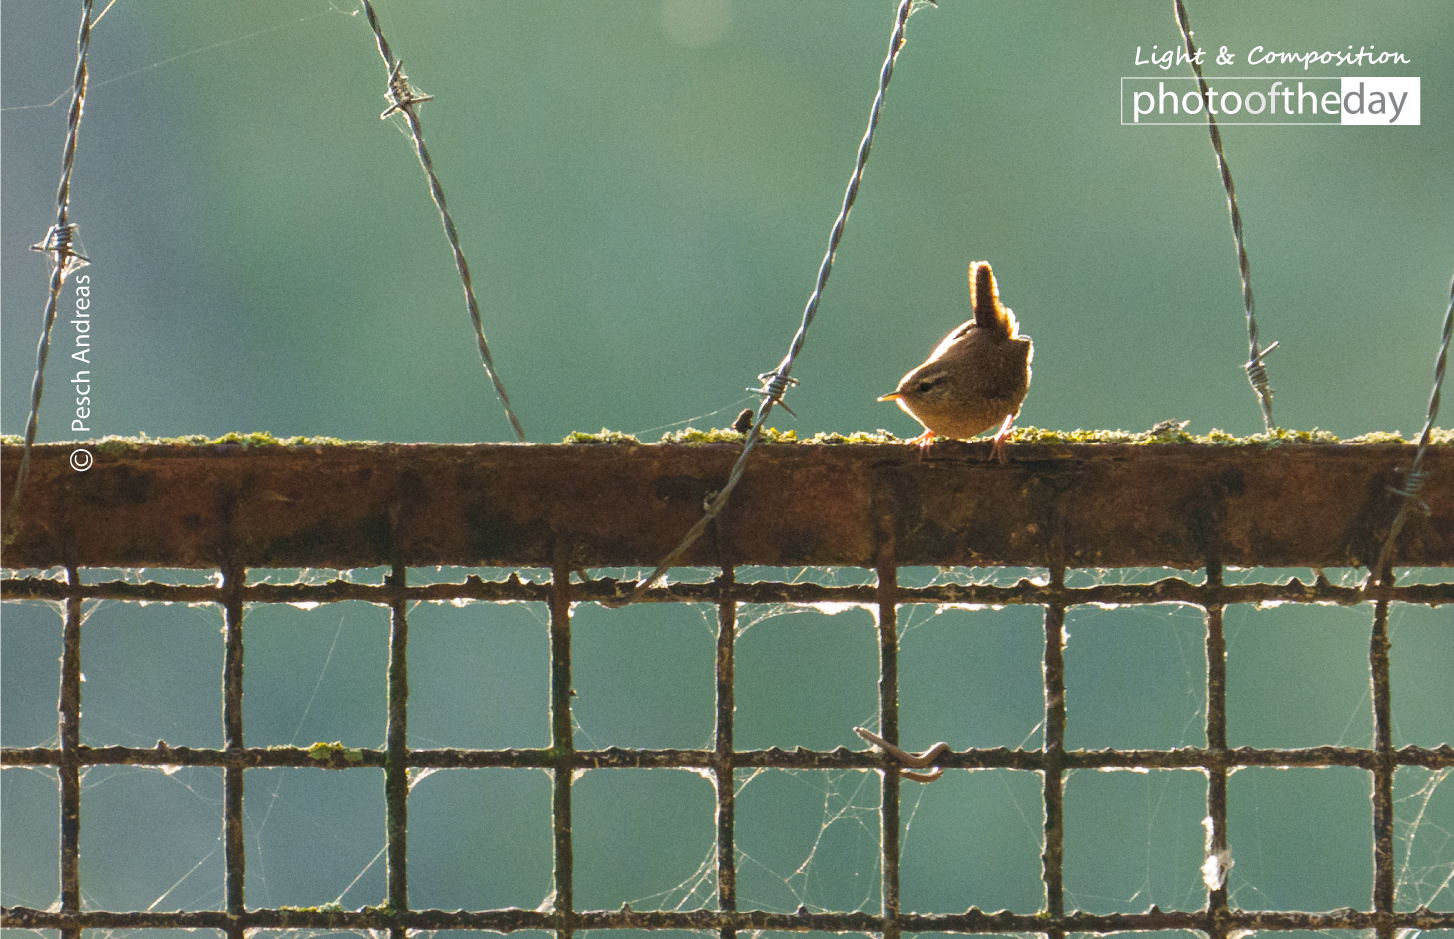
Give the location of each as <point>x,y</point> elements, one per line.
<point>1257,372</point>
<point>401,94</point>
<point>774,385</point>
<point>59,243</point>
<point>1413,487</point>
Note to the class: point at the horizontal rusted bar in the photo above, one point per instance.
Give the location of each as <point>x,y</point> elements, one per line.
<point>331,757</point>
<point>1170,590</point>
<point>509,920</point>
<point>609,505</point>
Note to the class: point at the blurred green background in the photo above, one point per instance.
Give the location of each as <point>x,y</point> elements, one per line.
<point>644,192</point>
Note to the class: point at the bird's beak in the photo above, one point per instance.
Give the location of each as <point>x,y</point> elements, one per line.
<point>891,396</point>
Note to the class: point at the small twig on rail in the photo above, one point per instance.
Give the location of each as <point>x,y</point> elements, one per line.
<point>1414,480</point>
<point>1255,369</point>
<point>910,761</point>
<point>776,383</point>
<point>59,244</point>
<point>403,100</point>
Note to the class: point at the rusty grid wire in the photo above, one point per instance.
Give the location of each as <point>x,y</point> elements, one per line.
<point>562,759</point>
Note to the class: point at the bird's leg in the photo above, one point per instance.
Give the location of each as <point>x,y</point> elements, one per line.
<point>924,440</point>
<point>997,451</point>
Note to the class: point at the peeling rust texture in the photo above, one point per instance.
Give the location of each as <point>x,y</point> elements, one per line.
<point>355,505</point>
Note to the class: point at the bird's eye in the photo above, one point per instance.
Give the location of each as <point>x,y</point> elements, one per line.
<point>926,385</point>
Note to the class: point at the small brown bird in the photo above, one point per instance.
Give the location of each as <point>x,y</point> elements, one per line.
<point>977,377</point>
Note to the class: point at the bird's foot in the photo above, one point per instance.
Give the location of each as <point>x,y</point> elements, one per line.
<point>997,450</point>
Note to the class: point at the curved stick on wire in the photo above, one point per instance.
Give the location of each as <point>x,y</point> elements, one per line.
<point>909,760</point>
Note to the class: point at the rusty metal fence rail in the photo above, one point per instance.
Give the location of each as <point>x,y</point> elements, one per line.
<point>229,507</point>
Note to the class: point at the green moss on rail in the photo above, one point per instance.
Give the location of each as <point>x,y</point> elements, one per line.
<point>691,436</point>
<point>605,436</point>
<point>1167,434</point>
<point>118,444</point>
<point>110,446</point>
<point>330,750</point>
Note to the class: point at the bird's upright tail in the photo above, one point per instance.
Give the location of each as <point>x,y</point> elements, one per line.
<point>984,296</point>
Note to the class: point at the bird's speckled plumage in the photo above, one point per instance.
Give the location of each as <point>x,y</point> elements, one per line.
<point>978,376</point>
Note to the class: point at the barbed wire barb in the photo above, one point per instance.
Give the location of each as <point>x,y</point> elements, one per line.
<point>1255,369</point>
<point>1415,477</point>
<point>59,245</point>
<point>403,99</point>
<point>776,383</point>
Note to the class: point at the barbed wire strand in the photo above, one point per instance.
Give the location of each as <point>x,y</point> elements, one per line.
<point>776,383</point>
<point>1255,369</point>
<point>59,244</point>
<point>1415,479</point>
<point>403,99</point>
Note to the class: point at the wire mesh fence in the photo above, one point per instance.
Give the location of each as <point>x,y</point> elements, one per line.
<point>587,528</point>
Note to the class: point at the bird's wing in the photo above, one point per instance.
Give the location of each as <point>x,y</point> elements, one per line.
<point>960,331</point>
